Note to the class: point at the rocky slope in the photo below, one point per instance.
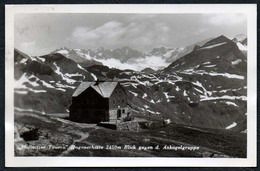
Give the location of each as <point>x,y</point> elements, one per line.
<point>213,77</point>
<point>45,83</point>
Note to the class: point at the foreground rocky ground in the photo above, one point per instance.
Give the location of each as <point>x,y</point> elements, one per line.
<point>43,135</point>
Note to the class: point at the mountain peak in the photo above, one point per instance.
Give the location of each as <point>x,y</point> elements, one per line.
<point>240,37</point>
<point>148,70</point>
<point>219,39</point>
<point>160,51</point>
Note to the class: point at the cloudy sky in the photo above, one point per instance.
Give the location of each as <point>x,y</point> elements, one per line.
<point>39,34</point>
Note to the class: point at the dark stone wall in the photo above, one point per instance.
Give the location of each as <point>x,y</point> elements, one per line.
<point>89,115</point>
<point>89,107</point>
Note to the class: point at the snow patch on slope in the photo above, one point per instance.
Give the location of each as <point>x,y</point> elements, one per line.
<point>80,67</point>
<point>21,88</point>
<point>241,47</point>
<point>236,62</point>
<point>64,77</point>
<point>212,46</point>
<point>231,103</point>
<point>226,97</point>
<point>94,76</point>
<point>24,60</point>
<point>23,79</point>
<point>232,125</point>
<point>63,52</point>
<point>41,59</point>
<point>135,94</point>
<point>202,72</point>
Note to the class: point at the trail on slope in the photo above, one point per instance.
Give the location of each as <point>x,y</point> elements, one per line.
<point>83,136</point>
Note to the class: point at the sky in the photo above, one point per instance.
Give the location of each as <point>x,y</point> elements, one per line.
<point>41,33</point>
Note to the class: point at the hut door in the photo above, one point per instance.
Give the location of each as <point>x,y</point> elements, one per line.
<point>118,113</point>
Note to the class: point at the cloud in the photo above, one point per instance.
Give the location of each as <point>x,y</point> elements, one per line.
<point>114,34</point>
<point>32,48</point>
<point>140,31</point>
<point>154,62</point>
<point>225,19</point>
<point>27,45</point>
<point>201,31</point>
<point>110,31</point>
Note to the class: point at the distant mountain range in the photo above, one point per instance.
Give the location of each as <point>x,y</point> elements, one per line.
<point>202,85</point>
<point>128,58</point>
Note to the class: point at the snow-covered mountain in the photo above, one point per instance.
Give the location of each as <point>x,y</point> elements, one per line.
<point>205,88</point>
<point>128,58</point>
<point>240,37</point>
<point>122,54</point>
<point>241,41</point>
<point>172,54</point>
<point>84,57</point>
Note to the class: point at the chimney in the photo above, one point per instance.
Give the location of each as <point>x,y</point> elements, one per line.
<point>97,82</point>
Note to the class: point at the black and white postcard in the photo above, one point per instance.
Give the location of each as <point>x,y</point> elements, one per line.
<point>130,85</point>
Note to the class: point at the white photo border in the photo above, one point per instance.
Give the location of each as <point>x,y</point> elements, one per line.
<point>250,161</point>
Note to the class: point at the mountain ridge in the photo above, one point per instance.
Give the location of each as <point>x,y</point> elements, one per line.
<point>125,57</point>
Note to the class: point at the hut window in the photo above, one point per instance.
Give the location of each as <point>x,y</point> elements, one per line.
<point>123,111</point>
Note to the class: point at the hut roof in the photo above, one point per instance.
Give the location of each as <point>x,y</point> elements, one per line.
<point>105,89</point>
